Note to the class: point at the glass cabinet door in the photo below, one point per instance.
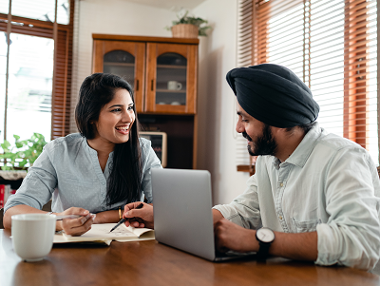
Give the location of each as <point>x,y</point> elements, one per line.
<point>171,79</point>
<point>125,59</point>
<point>120,63</point>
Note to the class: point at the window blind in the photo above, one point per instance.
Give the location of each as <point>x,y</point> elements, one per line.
<point>332,47</point>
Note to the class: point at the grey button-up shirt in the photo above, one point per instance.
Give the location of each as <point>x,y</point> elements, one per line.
<point>329,185</point>
<point>68,171</point>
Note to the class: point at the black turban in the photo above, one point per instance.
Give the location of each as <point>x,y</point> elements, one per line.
<point>273,94</point>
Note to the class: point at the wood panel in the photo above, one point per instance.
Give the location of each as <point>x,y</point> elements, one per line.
<point>180,137</point>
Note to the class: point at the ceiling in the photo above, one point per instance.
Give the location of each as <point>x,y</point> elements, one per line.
<point>173,5</point>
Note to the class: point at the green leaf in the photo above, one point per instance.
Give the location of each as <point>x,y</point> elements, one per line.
<point>23,153</point>
<point>6,145</point>
<point>6,168</point>
<point>19,145</point>
<point>22,163</point>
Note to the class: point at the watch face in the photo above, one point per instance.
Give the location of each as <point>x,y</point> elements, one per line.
<point>265,234</point>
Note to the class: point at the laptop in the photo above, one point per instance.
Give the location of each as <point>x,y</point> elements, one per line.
<point>182,212</point>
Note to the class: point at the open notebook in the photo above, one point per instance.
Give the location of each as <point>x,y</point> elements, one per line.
<point>100,233</point>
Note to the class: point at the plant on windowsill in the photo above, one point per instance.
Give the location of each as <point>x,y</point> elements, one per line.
<point>188,27</point>
<point>24,153</point>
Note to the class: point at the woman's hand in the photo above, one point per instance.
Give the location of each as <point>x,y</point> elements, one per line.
<point>75,226</point>
<point>139,216</point>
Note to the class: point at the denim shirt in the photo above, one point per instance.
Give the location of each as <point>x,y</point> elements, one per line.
<point>69,172</point>
<point>329,185</point>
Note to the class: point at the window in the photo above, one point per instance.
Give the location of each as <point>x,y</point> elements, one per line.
<point>332,47</point>
<point>35,67</point>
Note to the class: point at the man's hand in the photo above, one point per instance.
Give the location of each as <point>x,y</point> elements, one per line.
<point>76,226</point>
<point>139,217</point>
<point>216,216</point>
<point>230,236</point>
<point>300,246</point>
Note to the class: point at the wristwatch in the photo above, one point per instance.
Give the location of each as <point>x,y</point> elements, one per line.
<point>265,237</point>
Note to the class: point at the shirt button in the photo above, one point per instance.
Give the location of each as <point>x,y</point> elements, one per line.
<point>280,217</point>
<point>281,184</point>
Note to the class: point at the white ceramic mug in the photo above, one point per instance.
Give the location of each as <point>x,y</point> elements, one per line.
<point>174,85</point>
<point>32,235</point>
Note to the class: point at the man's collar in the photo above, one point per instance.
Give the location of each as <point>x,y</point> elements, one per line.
<point>304,149</point>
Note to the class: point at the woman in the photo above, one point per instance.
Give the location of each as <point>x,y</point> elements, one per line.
<point>97,171</point>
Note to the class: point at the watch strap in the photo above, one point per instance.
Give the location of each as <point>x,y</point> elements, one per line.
<point>262,254</point>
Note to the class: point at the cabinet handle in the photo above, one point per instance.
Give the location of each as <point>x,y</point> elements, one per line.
<point>152,85</point>
<point>137,85</point>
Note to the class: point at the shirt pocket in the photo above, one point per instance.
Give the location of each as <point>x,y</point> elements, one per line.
<point>306,225</point>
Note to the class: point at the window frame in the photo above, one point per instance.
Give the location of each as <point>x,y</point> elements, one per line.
<point>62,70</point>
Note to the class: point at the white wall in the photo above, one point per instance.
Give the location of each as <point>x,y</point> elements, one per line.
<point>216,104</point>
<point>111,17</point>
<point>217,55</point>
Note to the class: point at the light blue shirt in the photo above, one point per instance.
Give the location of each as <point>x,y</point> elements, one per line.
<point>68,171</point>
<point>329,185</point>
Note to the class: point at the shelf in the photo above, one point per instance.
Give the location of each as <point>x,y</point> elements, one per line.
<point>171,67</point>
<point>168,104</point>
<point>170,91</point>
<point>119,64</point>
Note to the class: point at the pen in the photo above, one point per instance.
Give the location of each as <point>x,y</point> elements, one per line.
<point>61,217</point>
<point>125,219</point>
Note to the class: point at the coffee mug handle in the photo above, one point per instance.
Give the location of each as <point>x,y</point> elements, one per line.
<point>179,85</point>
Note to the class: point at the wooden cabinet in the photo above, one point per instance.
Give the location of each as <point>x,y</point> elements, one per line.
<point>163,74</point>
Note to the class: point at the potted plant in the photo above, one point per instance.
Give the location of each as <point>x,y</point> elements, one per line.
<point>188,27</point>
<point>15,161</point>
<point>24,153</point>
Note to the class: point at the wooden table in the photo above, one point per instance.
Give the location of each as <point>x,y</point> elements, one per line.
<point>151,263</point>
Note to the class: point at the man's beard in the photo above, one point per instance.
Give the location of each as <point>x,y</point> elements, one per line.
<point>264,144</point>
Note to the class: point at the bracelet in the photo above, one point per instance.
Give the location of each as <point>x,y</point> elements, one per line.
<point>120,213</point>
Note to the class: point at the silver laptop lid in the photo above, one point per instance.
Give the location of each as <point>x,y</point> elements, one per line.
<point>182,210</point>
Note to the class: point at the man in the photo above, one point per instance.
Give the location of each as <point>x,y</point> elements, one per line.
<point>317,195</point>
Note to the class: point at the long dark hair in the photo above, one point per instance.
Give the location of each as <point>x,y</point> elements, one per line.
<point>124,181</point>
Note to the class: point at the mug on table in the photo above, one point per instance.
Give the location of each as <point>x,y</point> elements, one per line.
<point>32,235</point>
